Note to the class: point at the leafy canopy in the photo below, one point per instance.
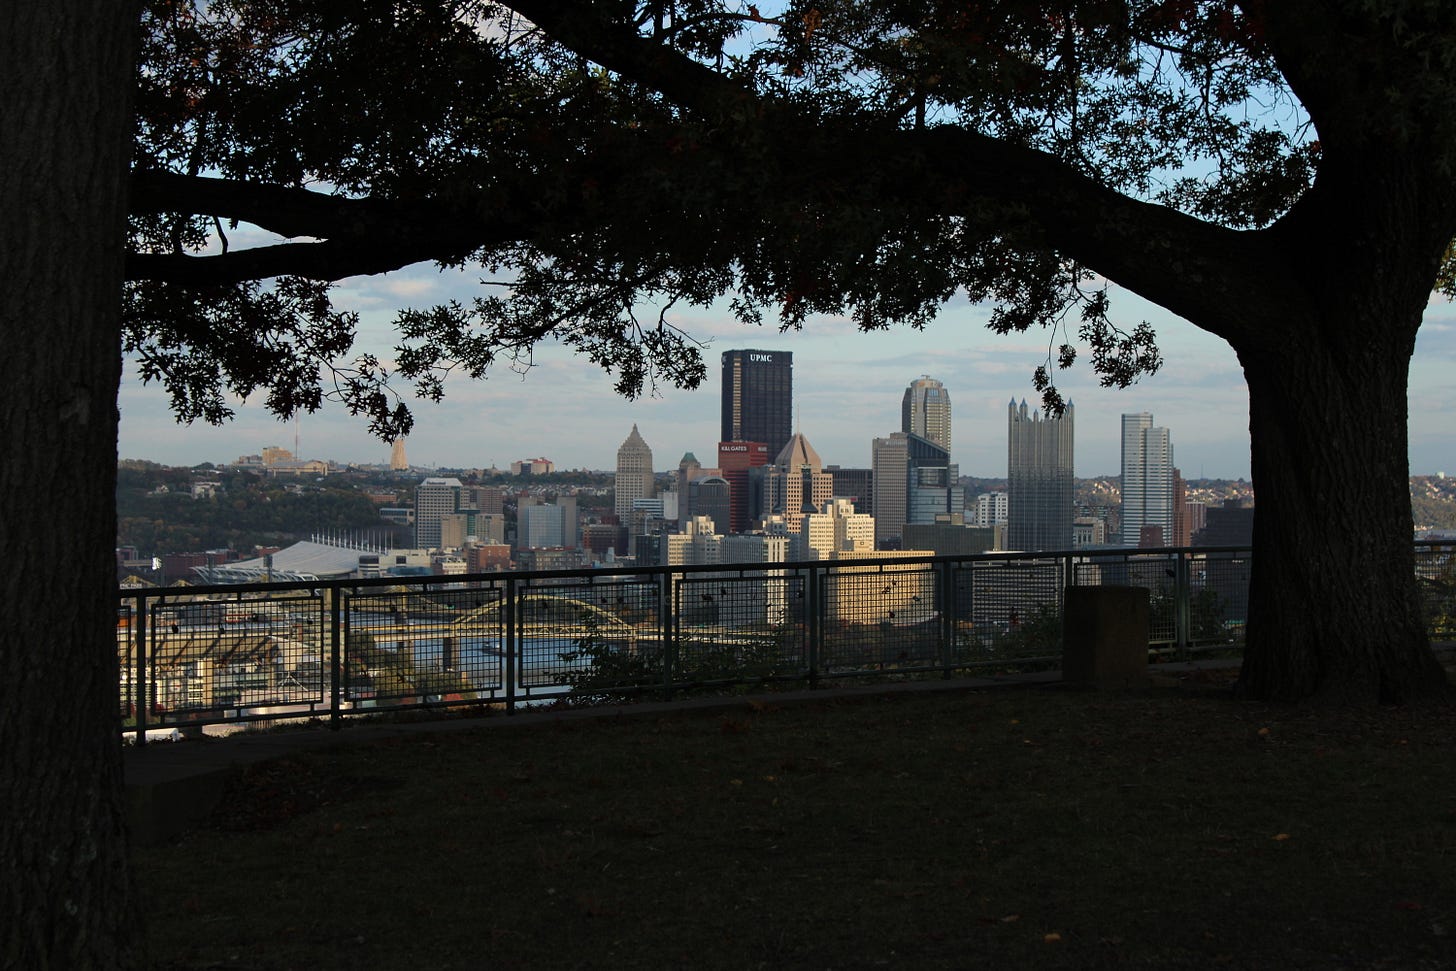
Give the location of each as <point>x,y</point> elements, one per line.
<point>607,163</point>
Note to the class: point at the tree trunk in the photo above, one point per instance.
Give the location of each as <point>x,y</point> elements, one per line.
<point>1334,608</point>
<point>67,67</point>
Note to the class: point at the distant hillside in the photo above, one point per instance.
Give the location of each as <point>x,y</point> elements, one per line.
<point>157,512</point>
<point>1433,502</point>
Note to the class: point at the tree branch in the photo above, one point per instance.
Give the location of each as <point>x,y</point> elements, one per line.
<point>1151,249</point>
<point>617,46</point>
<point>357,236</point>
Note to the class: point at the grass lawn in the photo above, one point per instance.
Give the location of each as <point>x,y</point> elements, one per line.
<point>1002,829</point>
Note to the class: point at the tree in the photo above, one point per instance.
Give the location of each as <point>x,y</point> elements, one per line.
<point>65,71</point>
<point>605,158</point>
<point>850,157</point>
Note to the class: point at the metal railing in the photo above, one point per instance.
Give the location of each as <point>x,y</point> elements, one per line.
<point>195,656</point>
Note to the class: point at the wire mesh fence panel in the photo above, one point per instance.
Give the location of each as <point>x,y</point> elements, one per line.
<point>879,617</point>
<point>249,657</point>
<point>1436,574</point>
<point>1008,612</point>
<point>216,655</point>
<point>422,646</point>
<point>1218,600</point>
<point>1155,572</point>
<point>126,614</point>
<point>740,626</point>
<point>585,636</point>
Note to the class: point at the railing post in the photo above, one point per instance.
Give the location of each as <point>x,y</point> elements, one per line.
<point>666,614</point>
<point>945,583</point>
<point>1183,598</point>
<point>336,655</point>
<point>813,620</point>
<point>508,656</point>
<point>139,629</point>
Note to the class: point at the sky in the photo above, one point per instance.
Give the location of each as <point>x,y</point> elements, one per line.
<point>847,389</point>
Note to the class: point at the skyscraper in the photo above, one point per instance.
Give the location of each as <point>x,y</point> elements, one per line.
<point>855,484</point>
<point>736,459</point>
<point>758,397</point>
<point>541,527</point>
<point>796,483</point>
<point>1148,507</point>
<point>688,468</point>
<point>925,411</point>
<point>711,496</point>
<point>890,458</point>
<point>435,498</point>
<point>634,473</point>
<point>1039,470</point>
<point>914,481</point>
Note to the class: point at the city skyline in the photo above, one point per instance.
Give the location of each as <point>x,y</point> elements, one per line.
<point>849,390</point>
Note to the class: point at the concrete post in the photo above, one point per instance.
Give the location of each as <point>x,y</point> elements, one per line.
<point>1105,637</point>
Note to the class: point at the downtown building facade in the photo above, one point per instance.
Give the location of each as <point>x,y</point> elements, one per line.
<point>856,485</point>
<point>914,482</point>
<point>795,484</point>
<point>992,509</point>
<point>548,526</point>
<point>737,462</point>
<point>1039,474</point>
<point>834,530</point>
<point>710,496</point>
<point>435,498</point>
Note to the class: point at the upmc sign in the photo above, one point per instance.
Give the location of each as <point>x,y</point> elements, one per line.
<point>762,358</point>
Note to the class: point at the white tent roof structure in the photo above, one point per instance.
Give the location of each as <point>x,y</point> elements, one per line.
<point>301,561</point>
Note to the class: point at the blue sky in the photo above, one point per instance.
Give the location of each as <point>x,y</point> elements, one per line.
<point>847,388</point>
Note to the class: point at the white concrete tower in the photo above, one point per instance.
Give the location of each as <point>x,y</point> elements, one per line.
<point>634,473</point>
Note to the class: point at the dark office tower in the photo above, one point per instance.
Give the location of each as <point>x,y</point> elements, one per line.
<point>711,496</point>
<point>758,398</point>
<point>687,469</point>
<point>854,484</point>
<point>1039,467</point>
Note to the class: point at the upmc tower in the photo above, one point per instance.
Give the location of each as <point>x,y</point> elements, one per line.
<point>758,398</point>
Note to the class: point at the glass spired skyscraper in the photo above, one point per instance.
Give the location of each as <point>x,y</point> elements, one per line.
<point>758,398</point>
<point>1039,470</point>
